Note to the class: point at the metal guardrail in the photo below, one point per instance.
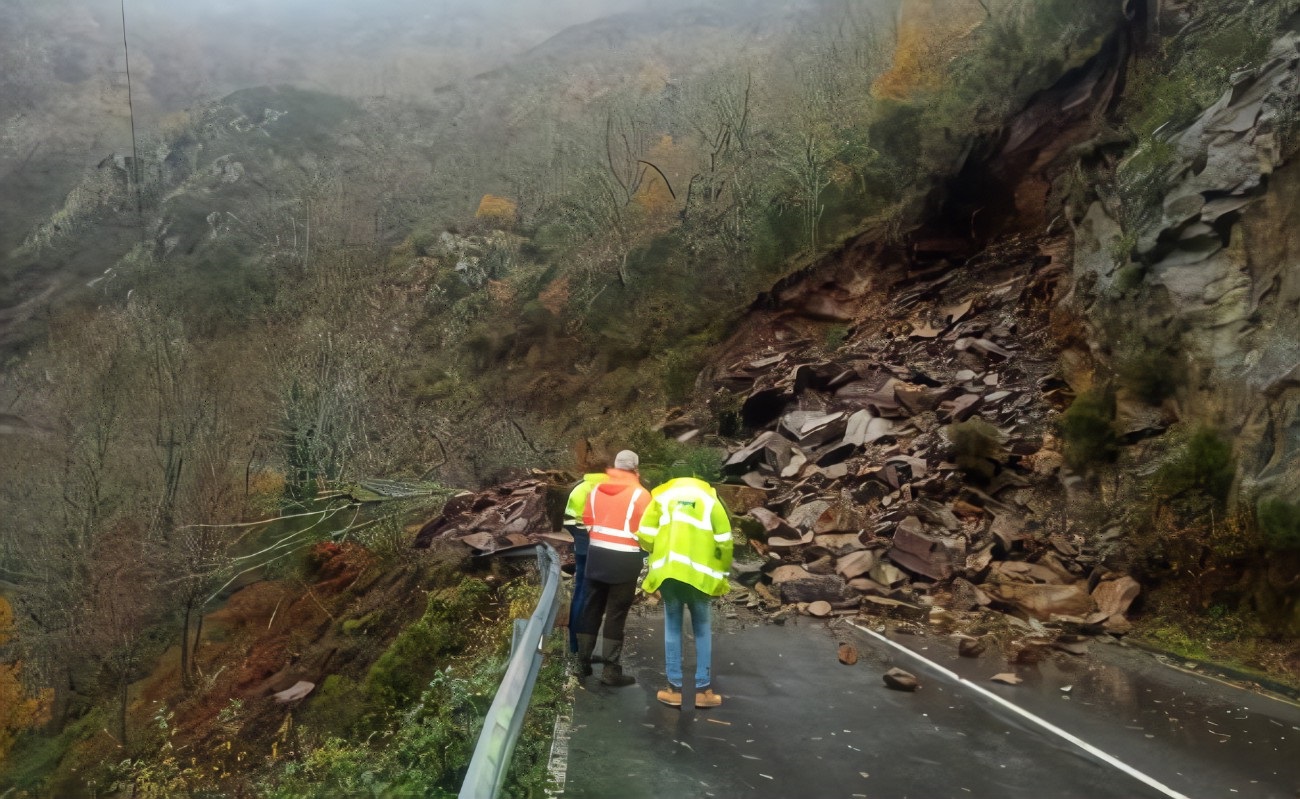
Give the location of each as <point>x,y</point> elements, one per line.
<point>496,744</point>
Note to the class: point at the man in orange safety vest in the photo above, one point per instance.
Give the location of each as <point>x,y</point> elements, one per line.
<point>614,557</point>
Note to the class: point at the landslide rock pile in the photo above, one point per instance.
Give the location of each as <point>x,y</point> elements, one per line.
<point>507,515</point>
<point>914,471</point>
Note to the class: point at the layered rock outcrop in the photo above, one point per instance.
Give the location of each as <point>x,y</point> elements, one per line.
<point>1222,260</point>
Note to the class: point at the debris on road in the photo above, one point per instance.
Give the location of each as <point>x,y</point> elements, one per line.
<point>1007,678</point>
<point>971,647</point>
<point>901,680</point>
<point>848,654</point>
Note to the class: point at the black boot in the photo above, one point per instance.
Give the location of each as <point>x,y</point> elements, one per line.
<point>612,675</point>
<point>582,660</point>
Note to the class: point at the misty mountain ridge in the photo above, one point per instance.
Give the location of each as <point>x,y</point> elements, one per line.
<point>463,118</point>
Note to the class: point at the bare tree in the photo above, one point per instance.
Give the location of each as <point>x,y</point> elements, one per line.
<point>722,193</point>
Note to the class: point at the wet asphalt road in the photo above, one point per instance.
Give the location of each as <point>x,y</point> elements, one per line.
<point>797,723</point>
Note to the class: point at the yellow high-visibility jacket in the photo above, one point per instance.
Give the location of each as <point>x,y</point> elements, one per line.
<point>687,532</point>
<point>574,507</point>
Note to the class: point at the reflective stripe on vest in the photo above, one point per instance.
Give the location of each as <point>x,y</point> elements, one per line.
<point>619,540</point>
<point>667,499</point>
<point>612,538</point>
<point>677,557</point>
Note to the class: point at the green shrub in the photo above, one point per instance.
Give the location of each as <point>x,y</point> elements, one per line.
<point>726,406</point>
<point>1168,88</point>
<point>895,132</point>
<point>334,767</point>
<point>1279,524</point>
<point>1130,277</point>
<point>388,541</point>
<point>424,241</point>
<point>702,462</point>
<point>536,323</point>
<point>488,343</point>
<point>1155,96</point>
<point>429,741</point>
<point>1121,247</point>
<point>679,369</point>
<point>663,459</point>
<point>679,374</point>
<point>337,706</point>
<point>1202,465</point>
<point>448,289</point>
<point>406,666</point>
<point>1142,180</point>
<point>437,737</point>
<point>424,754</point>
<point>1178,640</point>
<point>977,448</point>
<point>835,336</point>
<point>1152,369</point>
<point>1193,68</point>
<point>1088,431</point>
<point>529,768</point>
<point>32,764</point>
<point>359,626</point>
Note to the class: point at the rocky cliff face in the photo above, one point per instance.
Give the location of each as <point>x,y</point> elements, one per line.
<point>1209,269</point>
<point>1219,257</point>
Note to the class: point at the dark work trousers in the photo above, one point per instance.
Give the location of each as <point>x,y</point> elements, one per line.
<point>579,595</point>
<point>610,601</point>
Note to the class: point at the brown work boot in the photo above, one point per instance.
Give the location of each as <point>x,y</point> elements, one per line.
<point>670,696</point>
<point>614,677</point>
<point>613,673</point>
<point>707,699</point>
<point>577,668</point>
<point>581,665</point>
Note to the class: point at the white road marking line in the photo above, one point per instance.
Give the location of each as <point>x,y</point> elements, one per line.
<point>558,763</point>
<point>1047,725</point>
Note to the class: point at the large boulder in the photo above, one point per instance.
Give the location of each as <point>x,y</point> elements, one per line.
<point>1042,601</point>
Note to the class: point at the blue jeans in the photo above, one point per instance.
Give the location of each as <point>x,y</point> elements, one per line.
<point>678,596</point>
<point>579,596</point>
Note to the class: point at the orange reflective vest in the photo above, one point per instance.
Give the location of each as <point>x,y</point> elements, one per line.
<point>613,512</point>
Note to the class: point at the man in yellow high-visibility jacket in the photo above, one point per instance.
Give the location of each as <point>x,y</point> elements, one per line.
<point>573,510</point>
<point>687,532</point>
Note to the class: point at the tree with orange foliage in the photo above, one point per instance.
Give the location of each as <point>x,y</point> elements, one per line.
<point>499,211</point>
<point>930,33</point>
<point>6,621</point>
<point>18,711</point>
